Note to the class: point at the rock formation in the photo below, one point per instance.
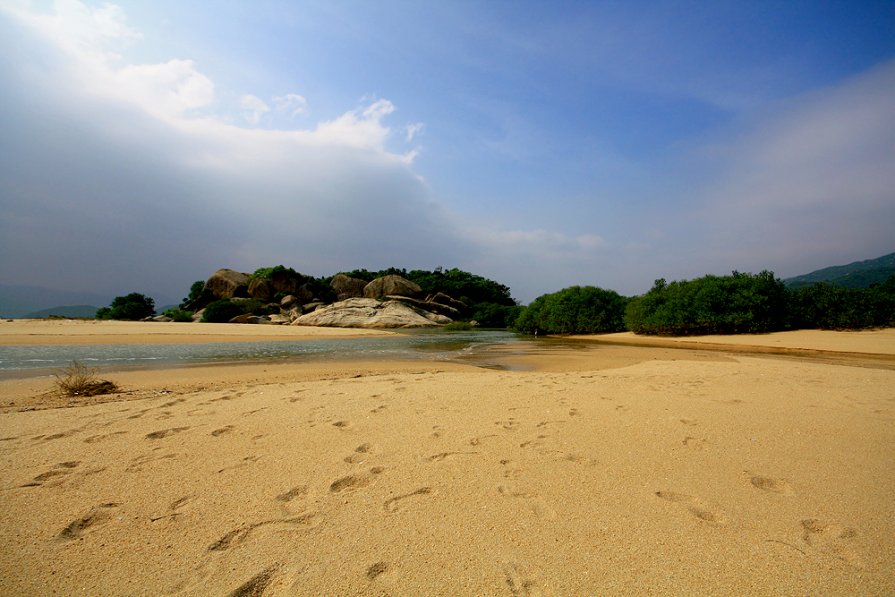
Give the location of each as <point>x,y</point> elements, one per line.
<point>391,285</point>
<point>347,287</point>
<point>226,283</point>
<point>370,313</point>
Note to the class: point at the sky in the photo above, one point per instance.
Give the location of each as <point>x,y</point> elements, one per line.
<point>143,145</point>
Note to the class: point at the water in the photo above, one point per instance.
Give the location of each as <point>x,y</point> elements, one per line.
<point>28,361</point>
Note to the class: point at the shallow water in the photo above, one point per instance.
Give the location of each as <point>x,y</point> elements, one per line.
<point>28,361</point>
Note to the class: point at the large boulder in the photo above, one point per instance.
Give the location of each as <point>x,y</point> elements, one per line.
<point>260,289</point>
<point>427,305</point>
<point>283,281</point>
<point>392,284</point>
<point>226,283</point>
<point>347,287</point>
<point>369,313</point>
<point>249,318</point>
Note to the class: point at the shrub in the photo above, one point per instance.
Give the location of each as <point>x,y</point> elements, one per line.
<point>574,310</point>
<point>828,306</point>
<point>80,380</point>
<point>179,315</point>
<point>132,307</point>
<point>221,311</point>
<point>736,304</point>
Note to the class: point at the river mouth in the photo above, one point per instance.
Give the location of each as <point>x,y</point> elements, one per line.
<point>470,347</point>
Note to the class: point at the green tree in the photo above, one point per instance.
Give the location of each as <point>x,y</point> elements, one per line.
<point>574,310</point>
<point>734,304</point>
<point>133,306</point>
<point>195,292</point>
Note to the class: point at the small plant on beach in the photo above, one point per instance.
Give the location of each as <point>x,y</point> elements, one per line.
<point>79,380</point>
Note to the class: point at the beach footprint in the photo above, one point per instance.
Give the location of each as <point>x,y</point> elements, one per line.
<point>355,481</point>
<point>694,506</point>
<point>832,539</point>
<point>770,484</point>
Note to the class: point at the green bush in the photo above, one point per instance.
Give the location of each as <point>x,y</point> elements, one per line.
<point>827,306</point>
<point>736,304</point>
<point>133,307</point>
<point>179,315</point>
<point>574,310</point>
<point>221,311</point>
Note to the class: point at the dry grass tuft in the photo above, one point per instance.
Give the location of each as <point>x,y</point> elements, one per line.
<point>79,380</point>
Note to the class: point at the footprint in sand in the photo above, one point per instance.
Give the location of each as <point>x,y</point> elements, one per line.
<point>394,504</point>
<point>239,535</point>
<point>376,570</point>
<point>510,425</point>
<point>770,484</point>
<point>352,482</point>
<point>97,515</point>
<point>165,432</point>
<point>519,583</point>
<point>832,539</point>
<point>173,508</point>
<point>60,470</point>
<point>360,454</point>
<point>694,506</point>
<point>222,431</point>
<point>342,424</point>
<point>98,438</point>
<point>695,443</point>
<point>295,492</point>
<point>689,422</point>
<point>445,455</point>
<point>256,585</point>
<point>136,465</point>
<point>537,506</point>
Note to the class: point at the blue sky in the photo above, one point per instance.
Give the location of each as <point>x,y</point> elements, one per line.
<point>542,144</point>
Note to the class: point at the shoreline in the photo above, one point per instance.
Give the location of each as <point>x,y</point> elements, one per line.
<point>602,469</point>
<point>25,332</point>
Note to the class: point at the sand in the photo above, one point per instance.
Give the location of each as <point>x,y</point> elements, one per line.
<point>627,471</point>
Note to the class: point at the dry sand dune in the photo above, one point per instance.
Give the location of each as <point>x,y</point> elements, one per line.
<point>664,472</point>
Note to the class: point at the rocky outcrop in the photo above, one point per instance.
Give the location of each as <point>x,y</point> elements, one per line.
<point>370,313</point>
<point>249,318</point>
<point>391,285</point>
<point>347,287</point>
<point>443,299</point>
<point>260,289</point>
<point>427,305</point>
<point>226,283</point>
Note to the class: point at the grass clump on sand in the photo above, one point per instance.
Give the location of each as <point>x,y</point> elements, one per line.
<point>79,380</point>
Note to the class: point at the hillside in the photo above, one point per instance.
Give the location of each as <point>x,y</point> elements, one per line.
<point>64,311</point>
<point>860,274</point>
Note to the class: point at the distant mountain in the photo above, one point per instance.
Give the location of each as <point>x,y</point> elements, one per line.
<point>859,274</point>
<point>26,301</point>
<point>65,311</point>
<point>19,301</point>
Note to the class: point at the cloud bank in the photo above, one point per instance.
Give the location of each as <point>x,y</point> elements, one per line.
<point>119,177</point>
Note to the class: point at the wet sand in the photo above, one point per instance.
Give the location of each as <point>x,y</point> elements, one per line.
<point>606,470</point>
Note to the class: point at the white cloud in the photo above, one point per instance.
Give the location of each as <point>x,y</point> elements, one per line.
<point>253,108</point>
<point>810,182</point>
<point>412,130</point>
<point>293,103</point>
<point>167,89</point>
<point>358,128</point>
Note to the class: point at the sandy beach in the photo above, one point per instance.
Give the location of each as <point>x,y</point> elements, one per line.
<point>756,465</point>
